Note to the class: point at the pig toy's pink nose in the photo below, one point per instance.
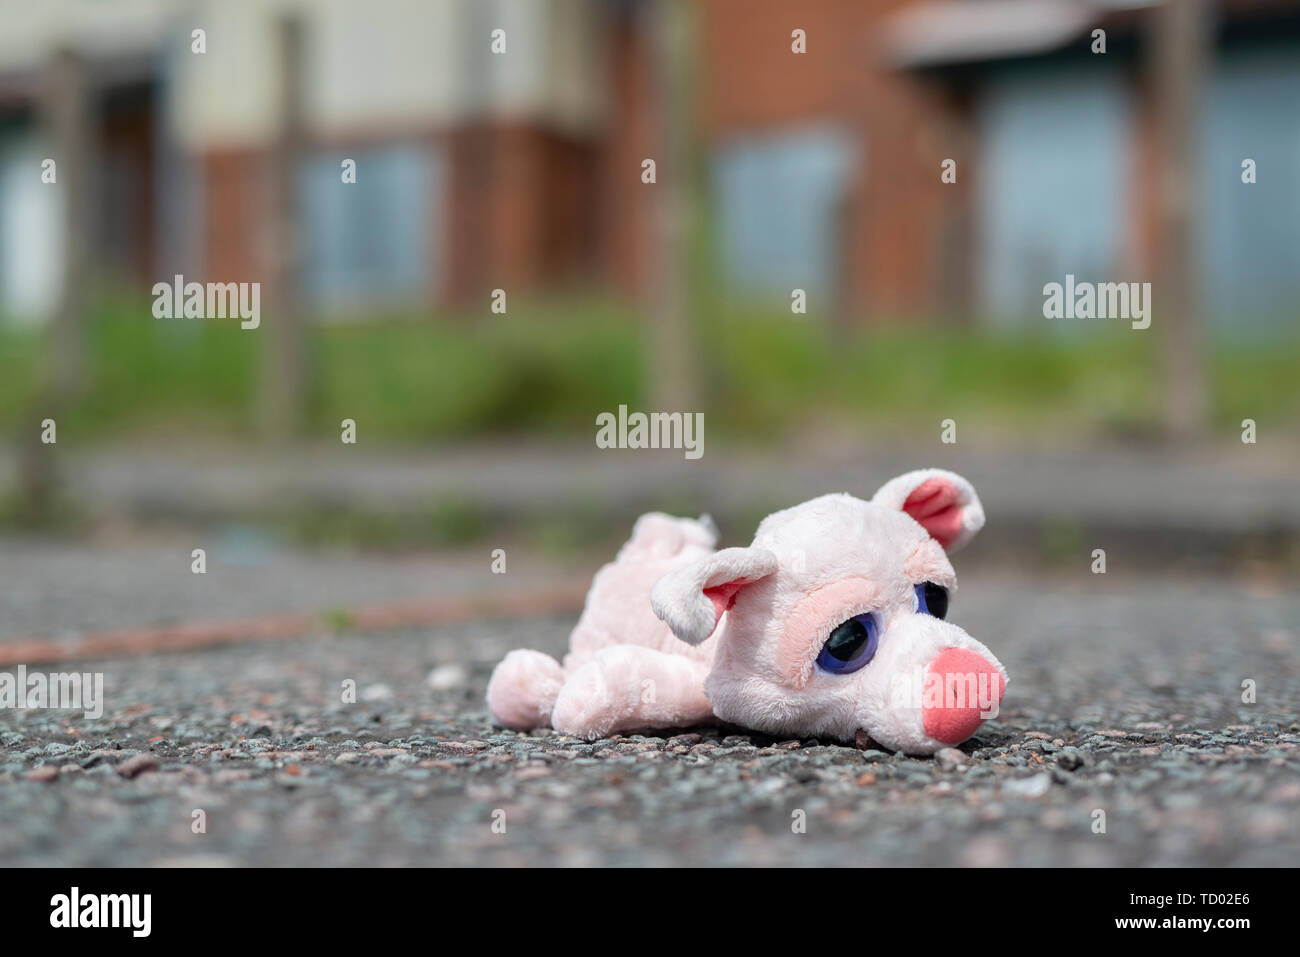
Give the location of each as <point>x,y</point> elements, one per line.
<point>961,688</point>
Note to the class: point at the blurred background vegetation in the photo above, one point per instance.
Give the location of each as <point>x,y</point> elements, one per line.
<point>550,364</point>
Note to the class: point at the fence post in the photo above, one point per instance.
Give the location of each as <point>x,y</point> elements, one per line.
<point>672,359</point>
<point>285,362</point>
<point>63,376</point>
<point>1182,42</point>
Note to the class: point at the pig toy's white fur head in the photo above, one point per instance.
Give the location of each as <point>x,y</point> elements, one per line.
<point>812,568</point>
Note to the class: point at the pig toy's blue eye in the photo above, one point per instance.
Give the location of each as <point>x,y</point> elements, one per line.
<point>851,645</point>
<point>932,599</point>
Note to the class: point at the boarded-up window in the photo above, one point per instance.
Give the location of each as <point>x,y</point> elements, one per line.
<point>779,209</point>
<point>1053,181</point>
<point>1250,240</point>
<point>373,243</point>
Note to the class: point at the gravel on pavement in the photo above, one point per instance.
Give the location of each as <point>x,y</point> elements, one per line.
<point>1124,739</point>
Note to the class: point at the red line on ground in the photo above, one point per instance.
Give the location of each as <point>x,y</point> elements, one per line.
<point>191,635</point>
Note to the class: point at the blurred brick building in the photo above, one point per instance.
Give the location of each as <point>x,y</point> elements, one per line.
<point>474,168</point>
<point>825,167</point>
<point>820,170</point>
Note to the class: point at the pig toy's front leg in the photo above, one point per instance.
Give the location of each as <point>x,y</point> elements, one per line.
<point>626,687</point>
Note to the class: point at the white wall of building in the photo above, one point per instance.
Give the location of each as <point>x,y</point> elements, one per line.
<point>389,65</point>
<point>373,65</point>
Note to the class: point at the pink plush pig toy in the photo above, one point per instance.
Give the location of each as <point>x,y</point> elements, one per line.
<point>831,624</point>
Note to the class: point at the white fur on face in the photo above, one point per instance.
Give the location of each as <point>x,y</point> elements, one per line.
<point>838,556</point>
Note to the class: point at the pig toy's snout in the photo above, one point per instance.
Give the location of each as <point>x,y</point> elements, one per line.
<point>965,688</point>
<point>934,687</point>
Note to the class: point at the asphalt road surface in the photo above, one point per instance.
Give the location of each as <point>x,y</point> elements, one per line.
<point>1124,709</point>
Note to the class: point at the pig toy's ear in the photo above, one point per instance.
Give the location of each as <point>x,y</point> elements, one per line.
<point>944,503</point>
<point>693,598</point>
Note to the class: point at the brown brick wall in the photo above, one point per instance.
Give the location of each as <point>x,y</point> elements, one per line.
<point>906,235</point>
<point>752,79</point>
<point>521,216</point>
<point>518,213</point>
<point>233,190</point>
<point>624,200</point>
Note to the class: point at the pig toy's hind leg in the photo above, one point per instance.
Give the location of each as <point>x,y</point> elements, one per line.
<point>626,687</point>
<point>523,688</point>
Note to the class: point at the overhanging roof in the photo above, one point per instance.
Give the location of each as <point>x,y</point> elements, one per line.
<point>965,31</point>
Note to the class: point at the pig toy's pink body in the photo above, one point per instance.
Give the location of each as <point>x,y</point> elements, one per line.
<point>822,627</point>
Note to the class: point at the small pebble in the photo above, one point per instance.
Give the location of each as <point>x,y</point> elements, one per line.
<point>949,758</point>
<point>140,764</point>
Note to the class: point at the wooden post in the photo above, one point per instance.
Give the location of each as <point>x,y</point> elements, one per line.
<point>1182,41</point>
<point>478,145</point>
<point>671,349</point>
<point>69,124</point>
<point>285,365</point>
